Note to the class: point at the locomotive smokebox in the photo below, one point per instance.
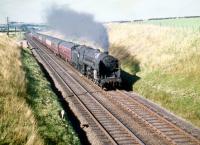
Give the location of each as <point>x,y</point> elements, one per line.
<point>106,52</point>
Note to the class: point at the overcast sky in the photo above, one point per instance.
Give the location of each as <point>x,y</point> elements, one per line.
<point>103,10</point>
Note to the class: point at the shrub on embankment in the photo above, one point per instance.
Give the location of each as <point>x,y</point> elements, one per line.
<point>167,61</point>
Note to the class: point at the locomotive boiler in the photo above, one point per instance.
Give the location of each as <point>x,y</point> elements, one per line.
<point>101,67</point>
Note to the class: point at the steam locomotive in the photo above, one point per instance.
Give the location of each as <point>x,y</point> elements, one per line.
<point>102,68</point>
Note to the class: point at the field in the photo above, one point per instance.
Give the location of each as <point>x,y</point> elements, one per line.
<point>184,23</point>
<point>29,110</point>
<point>165,60</point>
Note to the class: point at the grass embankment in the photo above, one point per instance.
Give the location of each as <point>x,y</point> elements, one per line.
<point>46,106</point>
<point>17,122</point>
<point>29,110</point>
<point>168,61</point>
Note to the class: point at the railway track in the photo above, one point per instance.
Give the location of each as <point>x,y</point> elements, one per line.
<point>159,124</point>
<point>114,131</point>
<point>114,128</point>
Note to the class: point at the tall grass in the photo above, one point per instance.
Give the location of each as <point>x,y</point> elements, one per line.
<point>169,60</point>
<point>17,122</point>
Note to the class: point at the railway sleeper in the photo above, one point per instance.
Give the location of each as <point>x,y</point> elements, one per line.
<point>101,117</point>
<point>115,131</point>
<point>105,121</point>
<point>99,112</point>
<point>121,136</point>
<point>150,119</point>
<point>145,115</point>
<point>153,121</point>
<point>186,141</point>
<point>113,128</point>
<point>127,142</point>
<point>180,138</point>
<point>159,124</point>
<point>110,126</point>
<point>167,130</point>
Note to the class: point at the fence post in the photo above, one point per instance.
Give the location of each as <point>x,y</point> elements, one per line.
<point>7,19</point>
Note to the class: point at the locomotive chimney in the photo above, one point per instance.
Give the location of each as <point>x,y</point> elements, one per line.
<point>106,52</point>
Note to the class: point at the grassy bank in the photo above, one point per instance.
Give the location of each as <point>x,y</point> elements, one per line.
<point>167,61</point>
<point>29,110</point>
<point>17,122</point>
<point>45,105</point>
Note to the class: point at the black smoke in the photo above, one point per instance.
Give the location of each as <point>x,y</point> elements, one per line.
<point>80,26</point>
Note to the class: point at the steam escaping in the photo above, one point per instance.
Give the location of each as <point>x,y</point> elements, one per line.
<point>79,26</point>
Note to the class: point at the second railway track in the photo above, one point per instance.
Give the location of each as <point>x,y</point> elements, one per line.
<point>113,127</point>
<point>116,132</point>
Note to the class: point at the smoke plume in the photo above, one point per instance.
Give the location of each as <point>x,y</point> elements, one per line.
<point>79,26</point>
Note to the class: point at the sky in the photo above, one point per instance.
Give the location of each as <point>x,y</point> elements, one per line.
<point>103,10</point>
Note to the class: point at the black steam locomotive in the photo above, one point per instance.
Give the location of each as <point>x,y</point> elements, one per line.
<point>102,68</point>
